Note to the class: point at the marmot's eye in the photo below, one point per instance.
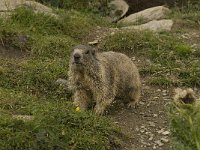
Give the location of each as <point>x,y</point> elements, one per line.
<point>87,52</point>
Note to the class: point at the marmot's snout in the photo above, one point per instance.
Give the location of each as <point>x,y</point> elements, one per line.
<point>77,58</point>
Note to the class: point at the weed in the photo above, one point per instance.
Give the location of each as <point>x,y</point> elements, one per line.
<point>185,121</point>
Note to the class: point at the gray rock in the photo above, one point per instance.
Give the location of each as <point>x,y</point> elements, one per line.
<point>151,138</point>
<point>158,90</point>
<point>8,6</point>
<point>155,25</point>
<point>93,42</point>
<point>62,82</point>
<point>146,15</point>
<point>165,133</point>
<point>154,147</point>
<point>23,117</point>
<point>118,9</point>
<point>165,140</point>
<point>159,143</point>
<point>151,124</point>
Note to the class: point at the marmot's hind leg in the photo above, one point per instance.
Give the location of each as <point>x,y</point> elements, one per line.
<point>134,96</point>
<point>103,101</point>
<point>81,99</point>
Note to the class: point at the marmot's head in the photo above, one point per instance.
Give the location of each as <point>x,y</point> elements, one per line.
<point>82,55</point>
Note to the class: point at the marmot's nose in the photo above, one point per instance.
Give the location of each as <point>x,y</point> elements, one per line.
<point>77,56</point>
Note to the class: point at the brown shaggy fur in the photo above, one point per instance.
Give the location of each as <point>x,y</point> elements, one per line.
<point>102,77</point>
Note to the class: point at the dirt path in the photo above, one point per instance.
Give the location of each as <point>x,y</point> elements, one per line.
<point>147,126</point>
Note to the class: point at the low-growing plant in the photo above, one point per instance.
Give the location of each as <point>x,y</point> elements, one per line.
<point>57,126</point>
<point>183,50</point>
<point>95,6</point>
<point>36,76</point>
<point>185,119</point>
<point>189,13</point>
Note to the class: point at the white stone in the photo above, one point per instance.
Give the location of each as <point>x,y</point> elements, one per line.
<point>93,42</point>
<point>164,140</point>
<point>155,25</point>
<point>8,6</point>
<point>61,81</point>
<point>159,143</point>
<point>23,117</point>
<point>165,133</point>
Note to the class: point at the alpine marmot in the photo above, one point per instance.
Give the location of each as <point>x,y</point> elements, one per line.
<point>102,77</point>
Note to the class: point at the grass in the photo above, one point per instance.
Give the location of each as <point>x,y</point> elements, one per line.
<point>170,57</point>
<point>188,14</point>
<point>95,6</point>
<point>27,84</point>
<point>185,122</point>
<point>56,125</point>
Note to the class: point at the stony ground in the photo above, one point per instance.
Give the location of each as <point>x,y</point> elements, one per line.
<point>147,126</point>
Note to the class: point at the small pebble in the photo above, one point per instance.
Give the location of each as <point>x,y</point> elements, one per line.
<point>165,140</point>
<point>165,133</point>
<point>159,143</point>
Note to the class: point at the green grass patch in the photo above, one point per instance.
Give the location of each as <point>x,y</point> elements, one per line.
<point>35,76</point>
<point>188,13</point>
<point>160,81</point>
<point>170,57</point>
<point>52,46</point>
<point>72,23</point>
<point>57,126</point>
<point>185,122</point>
<point>27,84</point>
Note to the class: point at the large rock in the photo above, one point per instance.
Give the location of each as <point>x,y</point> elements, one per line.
<point>8,6</point>
<point>155,25</point>
<point>146,15</point>
<point>118,9</point>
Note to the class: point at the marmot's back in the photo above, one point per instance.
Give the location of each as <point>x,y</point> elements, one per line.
<point>119,61</point>
<point>125,71</point>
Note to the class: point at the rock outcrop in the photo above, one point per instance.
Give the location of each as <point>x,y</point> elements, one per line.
<point>146,15</point>
<point>155,25</point>
<point>8,6</point>
<point>118,9</point>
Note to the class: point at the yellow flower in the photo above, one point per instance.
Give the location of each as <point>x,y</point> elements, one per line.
<point>77,109</point>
